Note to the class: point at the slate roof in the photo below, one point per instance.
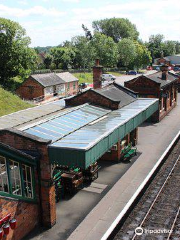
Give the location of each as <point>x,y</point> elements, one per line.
<point>47,79</point>
<point>157,77</point>
<point>67,77</point>
<point>114,93</point>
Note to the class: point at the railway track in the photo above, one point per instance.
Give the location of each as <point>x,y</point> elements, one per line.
<point>157,213</point>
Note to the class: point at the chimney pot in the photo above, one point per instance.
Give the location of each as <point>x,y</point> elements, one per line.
<point>164,70</point>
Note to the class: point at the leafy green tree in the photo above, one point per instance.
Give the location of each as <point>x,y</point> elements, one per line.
<point>143,56</point>
<point>16,57</point>
<point>177,47</point>
<point>84,52</point>
<point>105,49</point>
<point>126,52</point>
<point>155,45</point>
<point>47,61</point>
<point>116,28</point>
<point>62,55</point>
<point>169,48</point>
<point>87,32</point>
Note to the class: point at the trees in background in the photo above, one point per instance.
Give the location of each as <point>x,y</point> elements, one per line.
<point>16,57</point>
<point>105,49</point>
<point>160,48</point>
<point>62,57</point>
<point>127,52</point>
<point>116,28</point>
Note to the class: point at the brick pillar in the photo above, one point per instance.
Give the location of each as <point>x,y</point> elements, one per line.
<point>113,155</point>
<point>48,204</point>
<point>97,74</point>
<point>134,137</point>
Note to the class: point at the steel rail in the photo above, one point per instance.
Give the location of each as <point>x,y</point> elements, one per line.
<point>158,194</point>
<point>173,225</point>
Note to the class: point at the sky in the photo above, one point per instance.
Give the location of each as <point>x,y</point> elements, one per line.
<point>50,22</point>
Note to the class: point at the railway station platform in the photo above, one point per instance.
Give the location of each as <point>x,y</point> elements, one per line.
<point>153,141</point>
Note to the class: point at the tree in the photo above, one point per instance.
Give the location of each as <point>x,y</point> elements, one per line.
<point>126,51</point>
<point>155,45</point>
<point>48,61</point>
<point>62,55</point>
<point>84,52</point>
<point>169,48</point>
<point>177,47</point>
<point>16,58</point>
<point>143,56</point>
<point>87,32</point>
<point>105,49</point>
<point>116,28</point>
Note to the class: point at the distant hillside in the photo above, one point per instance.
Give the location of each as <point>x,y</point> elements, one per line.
<point>11,103</point>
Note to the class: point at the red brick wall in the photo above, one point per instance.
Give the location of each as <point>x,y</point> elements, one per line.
<point>26,214</point>
<point>147,88</point>
<point>47,190</point>
<point>143,86</point>
<point>92,97</point>
<point>71,90</point>
<point>30,89</point>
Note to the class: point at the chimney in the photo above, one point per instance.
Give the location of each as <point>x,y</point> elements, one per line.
<point>97,74</point>
<point>164,70</point>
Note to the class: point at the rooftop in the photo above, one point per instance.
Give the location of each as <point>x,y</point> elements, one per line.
<point>114,93</point>
<point>67,77</point>
<point>157,77</point>
<point>47,79</point>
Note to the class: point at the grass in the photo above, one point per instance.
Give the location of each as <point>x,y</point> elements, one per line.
<point>10,103</point>
<point>84,77</point>
<point>88,77</point>
<point>117,74</point>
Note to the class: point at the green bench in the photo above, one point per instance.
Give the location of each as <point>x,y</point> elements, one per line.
<point>129,152</point>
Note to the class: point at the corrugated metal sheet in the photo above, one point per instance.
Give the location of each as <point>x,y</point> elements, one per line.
<point>86,145</point>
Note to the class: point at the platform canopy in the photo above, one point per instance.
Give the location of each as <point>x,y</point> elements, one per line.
<point>87,144</point>
<point>67,122</point>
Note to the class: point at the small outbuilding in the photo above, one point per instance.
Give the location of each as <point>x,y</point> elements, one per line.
<point>44,86</point>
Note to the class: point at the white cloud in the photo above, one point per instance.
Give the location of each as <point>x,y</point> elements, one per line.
<point>36,10</point>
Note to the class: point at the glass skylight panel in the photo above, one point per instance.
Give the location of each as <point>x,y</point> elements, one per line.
<point>46,131</point>
<point>53,128</point>
<point>39,134</point>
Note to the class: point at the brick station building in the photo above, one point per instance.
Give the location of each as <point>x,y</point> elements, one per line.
<point>97,124</point>
<point>162,85</point>
<point>44,86</point>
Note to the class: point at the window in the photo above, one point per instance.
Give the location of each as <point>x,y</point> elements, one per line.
<point>74,86</point>
<point>4,186</point>
<point>27,181</point>
<point>15,177</point>
<point>68,86</point>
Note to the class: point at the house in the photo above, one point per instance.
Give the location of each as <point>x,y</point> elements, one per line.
<point>169,60</point>
<point>162,85</point>
<point>71,83</point>
<point>46,85</point>
<point>101,126</point>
